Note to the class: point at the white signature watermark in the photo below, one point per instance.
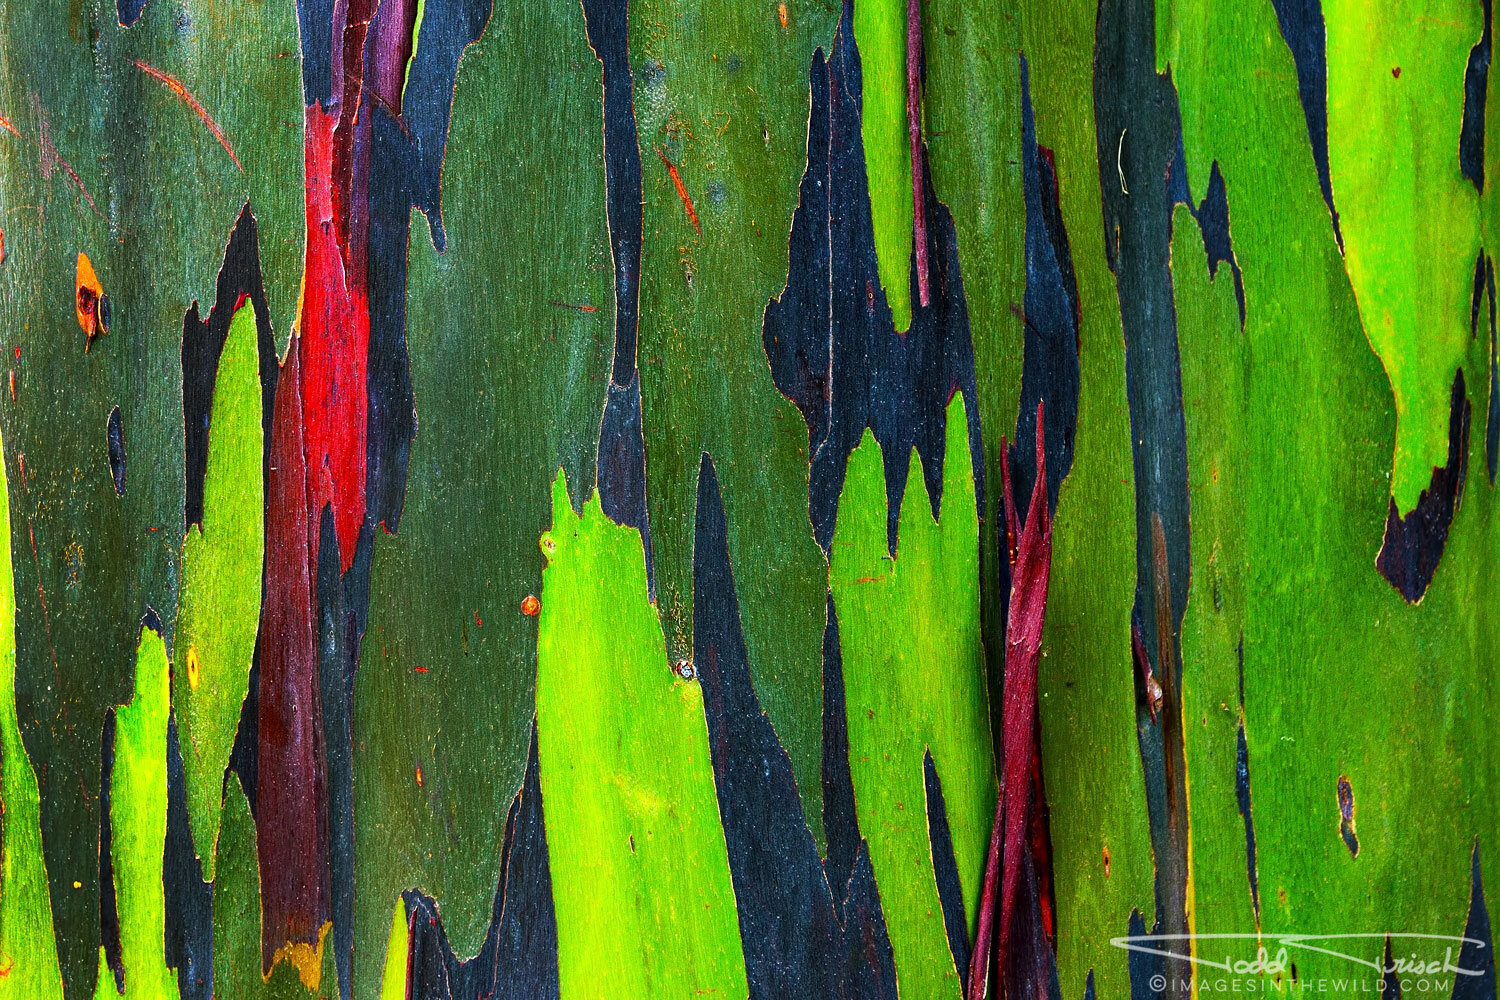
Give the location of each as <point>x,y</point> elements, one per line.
<point>1424,970</point>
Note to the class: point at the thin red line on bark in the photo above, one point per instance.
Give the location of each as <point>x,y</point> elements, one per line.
<point>176,87</point>
<point>914,131</point>
<point>682,192</point>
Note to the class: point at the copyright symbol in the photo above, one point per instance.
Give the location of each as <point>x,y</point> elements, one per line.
<point>1158,983</point>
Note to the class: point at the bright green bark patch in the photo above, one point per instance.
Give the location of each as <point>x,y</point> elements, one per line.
<point>28,954</point>
<point>138,826</point>
<point>880,31</point>
<point>220,604</point>
<point>1342,679</point>
<point>914,678</point>
<point>1410,219</point>
<point>393,981</point>
<point>640,872</point>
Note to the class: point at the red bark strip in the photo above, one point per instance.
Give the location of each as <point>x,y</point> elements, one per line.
<point>983,955</point>
<point>682,192</point>
<point>291,805</point>
<point>1009,840</point>
<point>1023,642</point>
<point>334,330</point>
<point>914,131</point>
<point>176,87</point>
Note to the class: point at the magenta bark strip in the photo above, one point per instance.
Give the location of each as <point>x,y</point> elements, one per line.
<point>983,955</point>
<point>1031,567</point>
<point>1023,641</point>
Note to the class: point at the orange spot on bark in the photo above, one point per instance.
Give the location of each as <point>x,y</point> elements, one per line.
<point>682,192</point>
<point>420,670</point>
<point>419,775</point>
<point>781,13</point>
<point>176,87</point>
<point>89,296</point>
<point>531,606</point>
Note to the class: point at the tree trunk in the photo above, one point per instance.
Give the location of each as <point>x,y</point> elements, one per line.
<point>754,499</point>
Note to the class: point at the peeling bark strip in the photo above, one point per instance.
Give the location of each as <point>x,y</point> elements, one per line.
<point>291,796</point>
<point>518,960</point>
<point>1025,616</point>
<point>378,105</point>
<point>682,191</point>
<point>829,338</point>
<point>794,939</point>
<point>1031,972</point>
<point>333,337</point>
<point>1414,544</point>
<point>1023,650</point>
<point>1130,96</point>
